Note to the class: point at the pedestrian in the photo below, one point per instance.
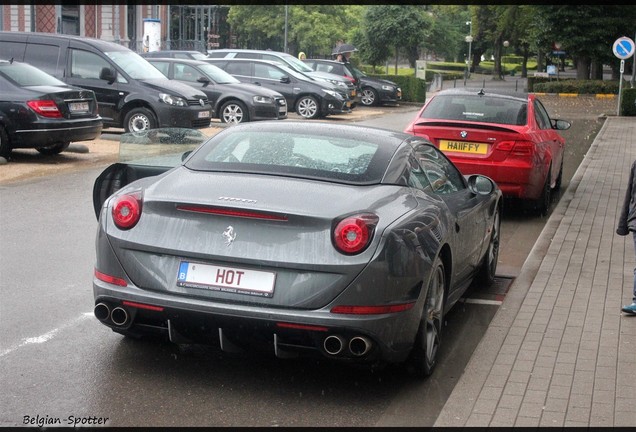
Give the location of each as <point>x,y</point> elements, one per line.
<point>627,224</point>
<point>301,56</point>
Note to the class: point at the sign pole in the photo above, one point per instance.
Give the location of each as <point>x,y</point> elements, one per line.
<point>620,89</point>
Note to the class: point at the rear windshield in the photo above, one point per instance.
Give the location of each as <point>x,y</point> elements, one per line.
<point>26,75</point>
<point>477,108</point>
<point>296,155</point>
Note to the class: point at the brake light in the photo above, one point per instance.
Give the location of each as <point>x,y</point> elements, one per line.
<point>517,148</point>
<point>372,310</point>
<point>353,234</point>
<point>45,108</point>
<point>127,210</point>
<point>110,279</point>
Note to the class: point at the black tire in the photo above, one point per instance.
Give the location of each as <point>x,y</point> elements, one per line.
<point>559,180</point>
<point>542,205</point>
<point>488,268</point>
<point>369,97</point>
<point>5,145</point>
<point>139,119</point>
<point>234,112</point>
<point>308,107</point>
<point>54,149</point>
<point>423,358</point>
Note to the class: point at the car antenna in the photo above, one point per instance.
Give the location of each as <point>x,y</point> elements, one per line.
<point>481,92</point>
<point>11,61</point>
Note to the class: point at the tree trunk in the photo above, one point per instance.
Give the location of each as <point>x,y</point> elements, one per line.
<point>524,64</point>
<point>396,60</point>
<point>540,60</point>
<point>583,68</point>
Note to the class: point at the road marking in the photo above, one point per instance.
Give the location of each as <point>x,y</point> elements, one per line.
<point>46,336</point>
<point>484,302</point>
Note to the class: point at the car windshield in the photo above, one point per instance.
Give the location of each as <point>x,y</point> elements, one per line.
<point>296,155</point>
<point>134,65</point>
<point>297,64</point>
<point>477,108</point>
<point>218,75</point>
<point>25,75</point>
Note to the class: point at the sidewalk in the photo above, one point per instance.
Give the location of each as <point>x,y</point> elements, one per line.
<point>559,352</point>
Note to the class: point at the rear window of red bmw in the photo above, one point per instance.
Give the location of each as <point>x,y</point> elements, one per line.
<point>477,108</point>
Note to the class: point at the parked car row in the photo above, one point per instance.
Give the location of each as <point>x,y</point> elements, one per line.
<point>121,89</point>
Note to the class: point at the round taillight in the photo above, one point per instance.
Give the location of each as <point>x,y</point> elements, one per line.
<point>353,234</point>
<point>127,210</point>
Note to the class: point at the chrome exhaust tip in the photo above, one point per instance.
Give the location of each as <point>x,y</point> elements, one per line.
<point>359,345</point>
<point>119,316</point>
<point>102,311</point>
<point>333,344</point>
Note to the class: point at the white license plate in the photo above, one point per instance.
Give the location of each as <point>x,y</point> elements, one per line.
<point>204,114</point>
<point>78,106</point>
<point>282,110</point>
<point>226,279</point>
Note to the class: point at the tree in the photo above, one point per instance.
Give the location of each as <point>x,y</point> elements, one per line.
<point>400,27</point>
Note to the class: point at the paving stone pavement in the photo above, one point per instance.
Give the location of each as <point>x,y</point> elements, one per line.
<point>559,352</point>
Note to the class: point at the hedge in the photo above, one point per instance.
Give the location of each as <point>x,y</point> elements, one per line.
<point>628,103</point>
<point>413,89</point>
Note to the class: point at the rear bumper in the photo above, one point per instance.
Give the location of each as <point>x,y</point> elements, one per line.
<point>284,332</point>
<point>46,134</point>
<point>515,180</point>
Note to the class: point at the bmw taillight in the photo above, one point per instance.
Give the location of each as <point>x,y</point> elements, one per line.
<point>352,234</point>
<point>45,108</point>
<point>126,210</point>
<point>517,148</point>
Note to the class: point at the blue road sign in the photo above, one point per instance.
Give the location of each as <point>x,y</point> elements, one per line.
<point>623,48</point>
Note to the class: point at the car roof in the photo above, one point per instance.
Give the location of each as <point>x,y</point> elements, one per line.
<point>251,51</point>
<point>100,44</point>
<point>499,93</point>
<point>180,60</point>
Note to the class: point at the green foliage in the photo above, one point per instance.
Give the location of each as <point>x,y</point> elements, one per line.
<point>545,85</point>
<point>413,89</point>
<point>628,103</point>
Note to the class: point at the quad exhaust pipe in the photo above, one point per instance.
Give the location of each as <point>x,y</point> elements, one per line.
<point>117,316</point>
<point>357,346</point>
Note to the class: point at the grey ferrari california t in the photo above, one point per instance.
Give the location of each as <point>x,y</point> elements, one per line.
<point>338,240</point>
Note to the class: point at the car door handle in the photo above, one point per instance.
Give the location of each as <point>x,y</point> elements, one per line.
<point>257,83</point>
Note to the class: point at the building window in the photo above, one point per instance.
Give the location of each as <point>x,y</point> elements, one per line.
<point>70,20</point>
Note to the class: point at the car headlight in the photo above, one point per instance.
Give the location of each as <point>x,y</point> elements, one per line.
<point>388,87</point>
<point>172,100</point>
<point>263,100</point>
<point>333,93</point>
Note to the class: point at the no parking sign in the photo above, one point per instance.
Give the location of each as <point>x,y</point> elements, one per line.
<point>623,48</point>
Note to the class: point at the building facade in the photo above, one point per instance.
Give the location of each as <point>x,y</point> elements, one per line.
<point>182,26</point>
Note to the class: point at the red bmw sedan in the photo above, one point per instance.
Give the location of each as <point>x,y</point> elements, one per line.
<point>507,137</point>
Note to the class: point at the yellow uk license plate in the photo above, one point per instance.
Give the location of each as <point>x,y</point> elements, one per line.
<point>463,147</point>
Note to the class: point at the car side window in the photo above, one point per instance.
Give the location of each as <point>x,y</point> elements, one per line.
<point>267,71</point>
<point>543,119</point>
<point>242,69</point>
<point>417,178</point>
<point>88,65</point>
<point>442,175</point>
<point>185,72</point>
<point>162,66</point>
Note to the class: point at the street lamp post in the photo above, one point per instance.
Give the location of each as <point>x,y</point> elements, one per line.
<point>469,39</point>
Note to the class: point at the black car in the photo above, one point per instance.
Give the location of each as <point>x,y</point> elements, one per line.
<point>178,54</point>
<point>131,93</point>
<point>39,111</point>
<point>310,98</point>
<point>232,101</point>
<point>373,91</point>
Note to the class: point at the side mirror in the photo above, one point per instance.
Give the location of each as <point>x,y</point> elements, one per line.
<point>285,79</point>
<point>561,124</point>
<point>480,185</point>
<point>203,80</point>
<point>185,155</point>
<point>108,74</point>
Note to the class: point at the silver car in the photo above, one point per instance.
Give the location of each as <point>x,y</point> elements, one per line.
<point>296,238</point>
